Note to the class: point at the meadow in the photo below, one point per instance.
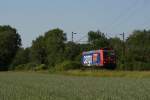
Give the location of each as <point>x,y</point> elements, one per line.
<point>41,86</point>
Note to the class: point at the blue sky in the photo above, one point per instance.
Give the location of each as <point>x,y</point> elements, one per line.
<point>34,17</point>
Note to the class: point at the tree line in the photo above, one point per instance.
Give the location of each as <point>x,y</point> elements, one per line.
<point>53,52</point>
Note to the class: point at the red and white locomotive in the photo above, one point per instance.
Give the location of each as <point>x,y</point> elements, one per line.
<point>104,57</point>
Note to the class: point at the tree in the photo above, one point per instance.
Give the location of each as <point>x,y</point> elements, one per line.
<point>138,50</point>
<point>72,50</point>
<point>55,46</point>
<point>97,40</point>
<point>117,45</point>
<point>38,51</point>
<point>10,42</point>
<point>50,48</point>
<point>22,57</point>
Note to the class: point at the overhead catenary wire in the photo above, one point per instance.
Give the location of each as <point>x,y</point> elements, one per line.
<point>121,15</point>
<point>83,37</point>
<point>131,10</point>
<point>147,27</point>
<point>146,23</point>
<point>126,19</point>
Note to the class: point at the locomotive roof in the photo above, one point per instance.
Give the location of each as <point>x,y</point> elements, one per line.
<point>96,51</point>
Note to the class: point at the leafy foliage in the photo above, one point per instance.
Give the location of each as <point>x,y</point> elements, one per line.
<point>22,57</point>
<point>97,40</point>
<point>71,50</point>
<point>52,50</point>
<point>138,50</point>
<point>38,51</point>
<point>54,41</point>
<point>10,41</point>
<point>68,65</point>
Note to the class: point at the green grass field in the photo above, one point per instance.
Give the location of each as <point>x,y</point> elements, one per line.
<point>40,86</point>
<point>106,73</point>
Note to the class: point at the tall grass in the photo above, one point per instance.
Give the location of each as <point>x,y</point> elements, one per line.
<point>106,73</point>
<point>38,86</point>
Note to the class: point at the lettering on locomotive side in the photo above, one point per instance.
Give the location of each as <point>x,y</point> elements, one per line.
<point>87,60</point>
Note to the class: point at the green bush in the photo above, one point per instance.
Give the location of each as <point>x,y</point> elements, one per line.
<point>28,66</point>
<point>68,65</point>
<point>31,66</point>
<point>20,67</point>
<point>40,67</point>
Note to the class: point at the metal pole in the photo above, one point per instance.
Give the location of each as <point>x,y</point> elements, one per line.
<point>123,51</point>
<point>72,36</point>
<point>124,48</point>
